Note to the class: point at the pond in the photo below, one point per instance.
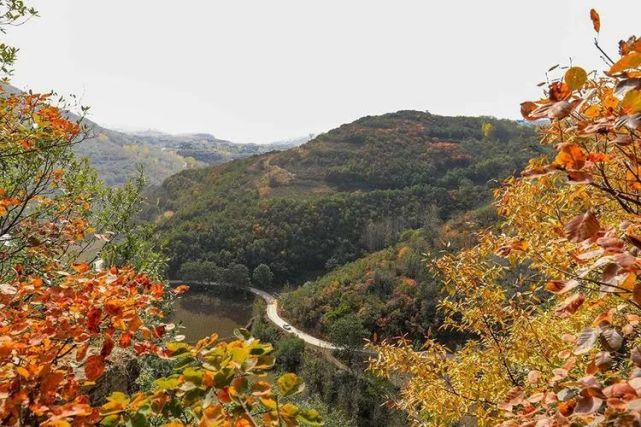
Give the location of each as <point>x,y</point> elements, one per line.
<point>204,310</point>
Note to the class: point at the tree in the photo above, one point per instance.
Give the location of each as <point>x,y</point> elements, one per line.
<point>289,353</point>
<point>262,276</point>
<point>236,274</point>
<point>60,321</point>
<point>552,296</point>
<point>206,271</point>
<point>348,332</point>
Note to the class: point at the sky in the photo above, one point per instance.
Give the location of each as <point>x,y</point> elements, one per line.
<point>260,71</point>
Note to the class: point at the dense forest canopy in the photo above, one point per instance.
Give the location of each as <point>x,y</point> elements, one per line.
<point>345,193</point>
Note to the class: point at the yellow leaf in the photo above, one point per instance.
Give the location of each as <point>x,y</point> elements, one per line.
<point>631,60</point>
<point>289,384</point>
<point>22,372</point>
<point>629,282</point>
<point>575,78</point>
<point>631,103</point>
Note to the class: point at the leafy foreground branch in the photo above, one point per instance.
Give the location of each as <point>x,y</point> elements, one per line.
<point>215,383</point>
<point>60,321</point>
<point>572,232</point>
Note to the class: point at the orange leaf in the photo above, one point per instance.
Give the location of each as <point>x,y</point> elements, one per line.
<point>627,46</point>
<point>596,20</point>
<point>526,109</point>
<point>82,267</point>
<point>631,60</point>
<point>125,339</point>
<point>113,307</point>
<point>597,157</point>
<point>561,286</point>
<point>82,352</point>
<point>570,156</point>
<point>181,289</point>
<point>23,372</point>
<point>94,367</point>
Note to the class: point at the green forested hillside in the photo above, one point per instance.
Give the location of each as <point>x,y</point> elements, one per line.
<point>388,293</point>
<point>346,193</point>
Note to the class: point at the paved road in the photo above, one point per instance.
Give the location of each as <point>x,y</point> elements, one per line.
<point>272,314</point>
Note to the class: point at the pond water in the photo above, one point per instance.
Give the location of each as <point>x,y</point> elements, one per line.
<point>204,310</point>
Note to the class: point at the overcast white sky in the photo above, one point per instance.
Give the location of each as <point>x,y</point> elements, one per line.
<point>256,71</point>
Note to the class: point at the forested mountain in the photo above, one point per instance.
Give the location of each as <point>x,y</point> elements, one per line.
<point>346,193</point>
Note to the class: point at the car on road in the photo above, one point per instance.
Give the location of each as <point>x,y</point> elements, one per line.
<point>287,327</point>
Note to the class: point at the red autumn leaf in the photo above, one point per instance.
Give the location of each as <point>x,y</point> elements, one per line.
<point>570,305</point>
<point>526,109</point>
<point>559,91</point>
<point>223,395</point>
<point>157,290</point>
<point>113,307</point>
<point>93,319</point>
<point>94,367</point>
<point>596,20</point>
<point>125,339</point>
<point>582,227</point>
<point>159,331</point>
<point>107,346</point>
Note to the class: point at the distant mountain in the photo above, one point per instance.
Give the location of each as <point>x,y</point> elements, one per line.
<point>116,154</point>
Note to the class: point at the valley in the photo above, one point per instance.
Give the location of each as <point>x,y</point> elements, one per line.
<point>404,268</point>
<point>342,229</point>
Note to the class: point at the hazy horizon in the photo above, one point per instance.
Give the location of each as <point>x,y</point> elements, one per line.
<point>261,72</point>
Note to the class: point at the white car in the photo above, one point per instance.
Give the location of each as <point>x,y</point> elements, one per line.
<point>287,327</point>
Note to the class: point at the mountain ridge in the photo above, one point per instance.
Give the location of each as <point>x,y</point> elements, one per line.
<point>116,154</point>
<point>307,209</point>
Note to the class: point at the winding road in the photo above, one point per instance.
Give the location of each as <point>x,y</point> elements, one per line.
<point>272,314</point>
